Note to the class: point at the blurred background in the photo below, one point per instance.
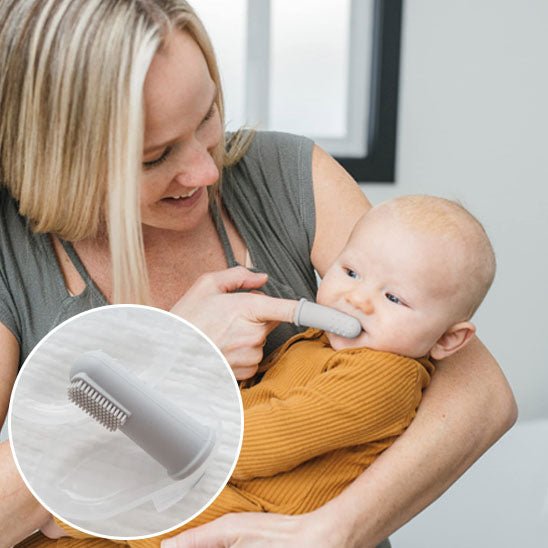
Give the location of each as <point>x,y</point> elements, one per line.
<point>472,125</point>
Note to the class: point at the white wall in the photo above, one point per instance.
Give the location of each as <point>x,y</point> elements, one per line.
<point>501,502</point>
<point>473,125</point>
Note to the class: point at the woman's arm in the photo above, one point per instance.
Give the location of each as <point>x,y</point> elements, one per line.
<point>20,513</point>
<point>339,203</point>
<point>458,420</point>
<point>467,408</point>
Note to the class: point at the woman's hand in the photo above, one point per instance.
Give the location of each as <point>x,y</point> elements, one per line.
<point>253,530</point>
<point>51,530</point>
<point>237,322</point>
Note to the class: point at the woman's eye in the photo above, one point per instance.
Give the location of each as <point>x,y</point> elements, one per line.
<point>393,298</point>
<point>209,115</point>
<point>164,156</point>
<point>351,273</point>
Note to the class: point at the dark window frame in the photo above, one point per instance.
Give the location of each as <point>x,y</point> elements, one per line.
<point>379,164</point>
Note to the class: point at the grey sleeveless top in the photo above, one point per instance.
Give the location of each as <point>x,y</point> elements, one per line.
<point>268,196</point>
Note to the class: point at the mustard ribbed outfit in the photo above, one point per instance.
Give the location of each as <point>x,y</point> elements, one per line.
<point>316,420</point>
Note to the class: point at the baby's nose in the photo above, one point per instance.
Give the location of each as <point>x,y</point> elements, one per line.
<point>360,301</point>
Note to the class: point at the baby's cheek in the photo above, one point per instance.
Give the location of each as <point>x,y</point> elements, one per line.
<point>329,293</point>
<point>321,297</point>
<point>403,342</point>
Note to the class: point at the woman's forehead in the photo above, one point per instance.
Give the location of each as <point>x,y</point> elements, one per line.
<point>178,88</point>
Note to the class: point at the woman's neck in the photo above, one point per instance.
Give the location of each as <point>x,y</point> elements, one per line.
<point>156,240</point>
<point>175,259</point>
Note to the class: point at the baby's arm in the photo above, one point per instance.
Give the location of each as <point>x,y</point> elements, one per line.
<point>362,397</point>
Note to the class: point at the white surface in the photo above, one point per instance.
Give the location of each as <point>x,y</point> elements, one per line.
<point>501,502</point>
<point>66,456</point>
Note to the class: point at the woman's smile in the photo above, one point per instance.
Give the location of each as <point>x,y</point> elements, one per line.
<point>183,200</point>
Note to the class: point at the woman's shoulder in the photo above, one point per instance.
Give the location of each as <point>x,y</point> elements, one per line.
<point>269,196</point>
<point>274,178</point>
<point>268,146</point>
<point>274,162</point>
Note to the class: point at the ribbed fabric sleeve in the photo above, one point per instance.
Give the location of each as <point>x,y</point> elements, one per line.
<point>361,396</point>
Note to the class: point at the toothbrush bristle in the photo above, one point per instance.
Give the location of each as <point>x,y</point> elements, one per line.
<point>96,404</point>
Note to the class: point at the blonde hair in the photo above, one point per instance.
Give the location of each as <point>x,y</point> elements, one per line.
<point>465,235</point>
<point>71,126</point>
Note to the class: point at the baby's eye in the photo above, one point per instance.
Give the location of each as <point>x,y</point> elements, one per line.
<point>393,298</point>
<point>351,273</point>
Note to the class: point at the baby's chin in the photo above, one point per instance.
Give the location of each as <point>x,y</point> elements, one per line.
<point>340,343</point>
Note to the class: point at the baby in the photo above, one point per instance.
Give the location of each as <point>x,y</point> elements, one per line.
<point>413,272</point>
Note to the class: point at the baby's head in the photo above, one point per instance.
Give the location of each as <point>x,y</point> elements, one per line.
<point>413,271</point>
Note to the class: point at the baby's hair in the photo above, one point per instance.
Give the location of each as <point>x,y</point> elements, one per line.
<point>451,221</point>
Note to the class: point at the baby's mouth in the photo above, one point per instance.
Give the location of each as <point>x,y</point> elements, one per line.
<point>355,315</point>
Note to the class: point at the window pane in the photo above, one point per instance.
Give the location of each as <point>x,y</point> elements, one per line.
<point>227,29</point>
<point>309,67</point>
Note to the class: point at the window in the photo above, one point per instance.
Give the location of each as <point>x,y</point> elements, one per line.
<point>304,67</point>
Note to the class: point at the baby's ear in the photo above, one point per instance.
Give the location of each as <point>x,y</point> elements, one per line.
<point>452,340</point>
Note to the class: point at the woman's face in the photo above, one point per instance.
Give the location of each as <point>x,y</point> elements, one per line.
<point>182,129</point>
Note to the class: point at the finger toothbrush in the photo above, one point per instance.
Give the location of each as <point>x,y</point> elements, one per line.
<point>315,315</point>
<point>118,399</point>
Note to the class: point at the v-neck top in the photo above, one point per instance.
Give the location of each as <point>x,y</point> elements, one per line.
<point>268,196</point>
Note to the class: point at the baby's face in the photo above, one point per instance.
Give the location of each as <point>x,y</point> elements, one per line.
<point>400,284</point>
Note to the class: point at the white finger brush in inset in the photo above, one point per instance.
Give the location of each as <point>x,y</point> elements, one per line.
<point>118,399</point>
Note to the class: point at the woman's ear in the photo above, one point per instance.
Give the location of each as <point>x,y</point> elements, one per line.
<point>452,340</point>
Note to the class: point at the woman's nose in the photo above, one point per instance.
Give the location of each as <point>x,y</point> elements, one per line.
<point>361,301</point>
<point>198,169</point>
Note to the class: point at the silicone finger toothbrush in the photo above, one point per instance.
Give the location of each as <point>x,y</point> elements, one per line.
<point>309,314</point>
<point>118,399</point>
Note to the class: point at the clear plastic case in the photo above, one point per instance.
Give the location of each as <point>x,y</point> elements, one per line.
<point>102,481</point>
<point>89,473</point>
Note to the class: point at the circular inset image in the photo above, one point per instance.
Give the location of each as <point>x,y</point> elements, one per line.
<point>125,421</point>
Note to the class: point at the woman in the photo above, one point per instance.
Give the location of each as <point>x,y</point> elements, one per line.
<point>103,202</point>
